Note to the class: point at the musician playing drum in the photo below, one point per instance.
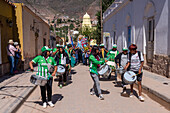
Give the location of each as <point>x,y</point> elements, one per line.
<point>93,72</point>
<point>111,56</point>
<point>43,71</point>
<point>121,61</point>
<point>135,64</point>
<point>62,59</point>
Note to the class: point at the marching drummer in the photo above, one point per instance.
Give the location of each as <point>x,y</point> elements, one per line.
<point>93,72</point>
<point>103,51</point>
<point>62,59</point>
<point>135,64</point>
<point>121,61</point>
<point>43,71</point>
<point>56,50</point>
<point>111,56</point>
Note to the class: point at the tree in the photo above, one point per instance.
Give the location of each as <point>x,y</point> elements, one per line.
<point>71,27</point>
<point>106,4</point>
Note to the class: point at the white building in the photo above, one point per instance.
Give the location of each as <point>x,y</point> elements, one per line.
<point>145,23</point>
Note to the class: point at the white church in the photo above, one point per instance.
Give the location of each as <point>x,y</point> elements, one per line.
<point>145,23</point>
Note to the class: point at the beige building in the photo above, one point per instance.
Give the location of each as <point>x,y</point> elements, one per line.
<point>86,21</point>
<point>33,33</point>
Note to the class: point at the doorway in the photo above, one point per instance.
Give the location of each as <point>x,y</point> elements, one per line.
<point>150,40</point>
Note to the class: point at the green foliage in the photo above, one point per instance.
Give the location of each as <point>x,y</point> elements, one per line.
<point>106,4</point>
<point>51,28</point>
<point>71,27</point>
<point>59,21</point>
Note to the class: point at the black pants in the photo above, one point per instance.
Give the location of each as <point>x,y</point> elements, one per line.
<point>47,87</point>
<point>63,78</point>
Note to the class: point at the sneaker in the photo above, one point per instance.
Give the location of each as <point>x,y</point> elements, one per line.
<point>141,98</point>
<point>92,93</point>
<point>124,90</point>
<point>101,97</point>
<point>44,105</point>
<point>51,104</point>
<point>131,95</point>
<point>60,85</point>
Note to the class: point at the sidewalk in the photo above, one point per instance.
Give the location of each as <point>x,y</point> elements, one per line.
<point>14,90</point>
<point>157,87</point>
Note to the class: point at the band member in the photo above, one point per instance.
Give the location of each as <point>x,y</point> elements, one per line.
<point>62,59</point>
<point>103,51</point>
<point>135,64</point>
<point>43,71</point>
<point>111,56</point>
<point>56,50</point>
<point>121,61</point>
<point>93,72</point>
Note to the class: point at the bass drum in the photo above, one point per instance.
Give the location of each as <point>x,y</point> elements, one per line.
<point>60,70</point>
<point>129,77</point>
<point>37,80</point>
<point>104,70</point>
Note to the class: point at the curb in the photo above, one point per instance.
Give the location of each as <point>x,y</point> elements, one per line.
<point>154,95</point>
<point>15,105</point>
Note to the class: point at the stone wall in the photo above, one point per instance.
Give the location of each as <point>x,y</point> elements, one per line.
<point>161,65</point>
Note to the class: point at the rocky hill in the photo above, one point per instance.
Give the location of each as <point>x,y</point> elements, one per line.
<point>47,9</point>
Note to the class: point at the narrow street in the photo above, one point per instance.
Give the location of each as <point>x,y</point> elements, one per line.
<point>76,98</point>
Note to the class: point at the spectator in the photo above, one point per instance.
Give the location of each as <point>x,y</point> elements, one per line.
<point>11,54</point>
<point>17,56</point>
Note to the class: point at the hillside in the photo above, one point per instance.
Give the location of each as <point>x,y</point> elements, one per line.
<point>72,8</point>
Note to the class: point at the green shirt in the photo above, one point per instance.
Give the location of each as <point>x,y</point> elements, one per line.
<point>55,49</point>
<point>93,64</point>
<point>112,54</point>
<point>42,65</point>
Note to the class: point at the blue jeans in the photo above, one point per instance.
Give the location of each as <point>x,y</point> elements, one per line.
<point>96,86</point>
<point>83,58</point>
<point>16,63</point>
<point>11,61</point>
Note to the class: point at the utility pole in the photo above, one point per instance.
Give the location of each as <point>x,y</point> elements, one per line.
<point>101,17</point>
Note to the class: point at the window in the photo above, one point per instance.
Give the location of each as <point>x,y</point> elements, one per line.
<point>129,36</point>
<point>151,27</point>
<point>44,42</point>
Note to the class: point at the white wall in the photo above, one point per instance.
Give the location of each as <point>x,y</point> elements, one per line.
<point>134,14</point>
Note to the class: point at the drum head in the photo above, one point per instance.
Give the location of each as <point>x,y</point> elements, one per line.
<point>60,69</point>
<point>129,77</point>
<point>103,70</point>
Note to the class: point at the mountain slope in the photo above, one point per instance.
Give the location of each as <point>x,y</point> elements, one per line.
<point>72,8</point>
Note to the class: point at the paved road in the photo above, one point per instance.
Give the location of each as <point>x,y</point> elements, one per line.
<point>75,98</point>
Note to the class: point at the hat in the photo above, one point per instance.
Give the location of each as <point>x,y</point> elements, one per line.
<point>15,43</point>
<point>125,49</point>
<point>114,46</point>
<point>46,48</point>
<point>57,45</point>
<point>101,44</point>
<point>11,42</point>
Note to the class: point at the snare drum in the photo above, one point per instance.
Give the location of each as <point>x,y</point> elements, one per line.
<point>60,70</point>
<point>120,70</point>
<point>112,65</point>
<point>129,77</point>
<point>104,70</point>
<point>37,80</point>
